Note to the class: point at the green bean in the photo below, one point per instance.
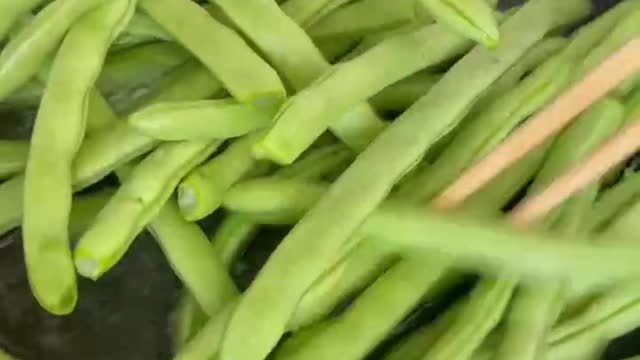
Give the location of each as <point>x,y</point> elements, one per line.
<point>11,206</point>
<point>12,11</point>
<point>361,18</point>
<point>471,18</point>
<point>232,236</point>
<point>201,192</point>
<point>477,318</point>
<point>189,251</point>
<point>142,25</point>
<point>138,65</point>
<point>138,200</point>
<point>24,55</point>
<point>199,120</point>
<point>404,93</point>
<point>392,297</point>
<point>532,59</point>
<point>478,135</point>
<point>85,208</point>
<point>615,201</point>
<point>187,319</point>
<point>354,272</point>
<point>13,157</point>
<point>273,201</point>
<point>335,49</point>
<point>52,152</point>
<point>297,58</point>
<point>328,225</point>
<point>622,33</point>
<point>597,311</point>
<point>346,85</point>
<point>306,12</point>
<point>247,77</point>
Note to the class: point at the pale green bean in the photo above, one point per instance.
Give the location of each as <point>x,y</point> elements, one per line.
<point>200,120</point>
<point>327,227</point>
<point>52,153</point>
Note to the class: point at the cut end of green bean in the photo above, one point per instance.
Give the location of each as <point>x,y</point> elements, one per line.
<point>89,268</point>
<point>193,203</point>
<point>265,150</point>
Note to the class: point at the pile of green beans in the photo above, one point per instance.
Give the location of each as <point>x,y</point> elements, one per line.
<point>341,121</point>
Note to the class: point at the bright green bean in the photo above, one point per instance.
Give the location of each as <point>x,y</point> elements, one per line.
<point>361,18</point>
<point>13,157</point>
<point>189,251</point>
<point>306,115</point>
<point>471,18</point>
<point>306,12</point>
<point>199,120</point>
<point>273,201</point>
<point>247,77</point>
<point>138,65</point>
<point>401,95</point>
<point>201,192</point>
<point>364,185</point>
<point>138,200</point>
<point>476,319</point>
<point>25,54</point>
<point>12,11</point>
<point>391,297</point>
<point>478,135</point>
<point>52,152</point>
<point>295,55</point>
<point>85,208</point>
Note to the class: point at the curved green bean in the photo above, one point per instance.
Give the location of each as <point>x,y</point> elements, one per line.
<point>27,52</point>
<point>138,200</point>
<point>295,55</point>
<point>52,152</point>
<point>13,157</point>
<point>189,252</point>
<point>472,18</point>
<point>361,18</point>
<point>199,120</point>
<point>360,189</point>
<point>273,201</point>
<point>247,77</point>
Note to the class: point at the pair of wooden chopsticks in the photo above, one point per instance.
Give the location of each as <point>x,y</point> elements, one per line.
<point>548,122</point>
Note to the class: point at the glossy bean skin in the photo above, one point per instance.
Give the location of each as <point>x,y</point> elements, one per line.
<point>25,54</point>
<point>137,201</point>
<point>359,190</point>
<point>199,120</point>
<point>52,152</point>
<point>261,86</point>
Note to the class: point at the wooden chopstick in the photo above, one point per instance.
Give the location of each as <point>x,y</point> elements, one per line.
<point>555,117</point>
<point>618,149</point>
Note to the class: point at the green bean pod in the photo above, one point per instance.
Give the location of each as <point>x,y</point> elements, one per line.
<point>141,25</point>
<point>614,202</point>
<point>392,297</point>
<point>478,135</point>
<point>202,191</point>
<point>27,52</point>
<point>471,18</point>
<point>189,252</point>
<point>295,55</point>
<point>307,115</point>
<point>401,95</point>
<point>13,157</point>
<point>232,236</point>
<point>52,152</point>
<point>273,201</point>
<point>476,319</point>
<point>361,18</point>
<point>361,188</point>
<point>199,120</point>
<point>11,206</point>
<point>247,77</point>
<point>85,208</point>
<point>138,201</point>
<point>306,12</point>
<point>12,11</point>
